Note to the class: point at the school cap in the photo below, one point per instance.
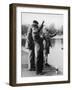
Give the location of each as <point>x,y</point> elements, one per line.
<point>35,23</point>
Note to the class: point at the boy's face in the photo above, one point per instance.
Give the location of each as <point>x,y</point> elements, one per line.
<point>35,28</point>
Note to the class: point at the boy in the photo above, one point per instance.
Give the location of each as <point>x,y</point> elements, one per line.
<point>47,44</point>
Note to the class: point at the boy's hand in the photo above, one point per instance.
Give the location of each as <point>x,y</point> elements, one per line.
<point>43,22</point>
<point>56,32</point>
<point>51,46</point>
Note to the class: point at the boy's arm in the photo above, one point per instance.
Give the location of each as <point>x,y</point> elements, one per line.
<point>29,33</point>
<point>40,28</point>
<point>52,35</point>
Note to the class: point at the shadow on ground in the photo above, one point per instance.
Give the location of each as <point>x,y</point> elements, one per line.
<point>47,71</point>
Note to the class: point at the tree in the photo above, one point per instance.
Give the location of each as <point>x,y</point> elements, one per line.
<point>24,29</point>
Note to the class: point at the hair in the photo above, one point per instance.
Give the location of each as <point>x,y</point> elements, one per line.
<point>35,21</point>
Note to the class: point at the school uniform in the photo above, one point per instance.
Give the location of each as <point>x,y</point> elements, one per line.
<point>47,43</point>
<point>35,46</point>
<point>38,48</point>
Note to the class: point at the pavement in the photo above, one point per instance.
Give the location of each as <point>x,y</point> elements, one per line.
<point>47,71</point>
<point>55,60</point>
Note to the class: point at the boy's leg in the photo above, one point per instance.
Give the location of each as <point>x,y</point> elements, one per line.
<point>31,60</point>
<point>39,56</point>
<point>46,61</point>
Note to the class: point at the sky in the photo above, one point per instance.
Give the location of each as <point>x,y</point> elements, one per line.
<point>57,19</point>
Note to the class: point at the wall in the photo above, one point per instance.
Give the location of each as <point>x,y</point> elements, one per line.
<point>4,45</point>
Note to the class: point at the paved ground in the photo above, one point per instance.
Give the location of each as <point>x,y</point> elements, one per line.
<point>47,71</point>
<point>55,59</point>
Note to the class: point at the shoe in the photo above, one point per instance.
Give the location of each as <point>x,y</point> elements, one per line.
<point>46,64</point>
<point>32,69</point>
<point>40,73</point>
